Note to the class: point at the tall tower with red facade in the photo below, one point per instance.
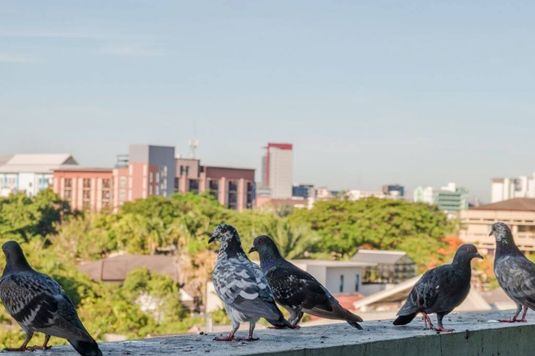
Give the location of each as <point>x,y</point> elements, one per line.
<point>277,170</point>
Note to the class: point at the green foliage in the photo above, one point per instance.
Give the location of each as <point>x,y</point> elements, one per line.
<point>345,225</point>
<point>293,239</point>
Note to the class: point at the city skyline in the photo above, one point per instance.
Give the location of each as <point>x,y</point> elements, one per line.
<point>369,94</point>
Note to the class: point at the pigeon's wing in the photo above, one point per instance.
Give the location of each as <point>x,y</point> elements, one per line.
<point>37,302</point>
<point>516,275</point>
<point>424,294</point>
<point>242,285</point>
<point>296,288</point>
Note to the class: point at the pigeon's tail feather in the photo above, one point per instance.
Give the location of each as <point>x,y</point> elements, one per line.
<point>352,319</point>
<point>404,319</point>
<point>355,324</point>
<point>86,347</point>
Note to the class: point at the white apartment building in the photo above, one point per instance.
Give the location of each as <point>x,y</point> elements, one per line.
<point>31,173</point>
<point>510,188</point>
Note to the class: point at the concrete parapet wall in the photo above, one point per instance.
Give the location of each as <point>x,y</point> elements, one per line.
<point>475,334</point>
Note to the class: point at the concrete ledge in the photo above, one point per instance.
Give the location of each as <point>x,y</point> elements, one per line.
<point>475,334</point>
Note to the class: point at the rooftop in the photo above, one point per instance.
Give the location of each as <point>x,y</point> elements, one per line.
<point>330,263</point>
<point>82,169</point>
<point>115,269</point>
<point>378,256</point>
<point>516,204</point>
<point>475,334</point>
<point>36,163</point>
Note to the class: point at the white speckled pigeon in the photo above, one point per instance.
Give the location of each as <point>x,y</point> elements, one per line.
<point>440,290</point>
<point>296,290</point>
<point>241,285</point>
<point>39,304</point>
<point>515,273</point>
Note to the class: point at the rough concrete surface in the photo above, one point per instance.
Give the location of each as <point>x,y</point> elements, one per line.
<point>475,334</point>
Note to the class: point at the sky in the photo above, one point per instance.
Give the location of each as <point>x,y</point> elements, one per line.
<point>369,92</point>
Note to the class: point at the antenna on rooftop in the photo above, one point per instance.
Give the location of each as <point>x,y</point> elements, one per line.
<point>194,143</point>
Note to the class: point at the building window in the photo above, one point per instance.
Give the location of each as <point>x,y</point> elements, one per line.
<point>86,193</point>
<point>67,189</point>
<point>106,183</point>
<point>214,188</point>
<point>106,193</point>
<point>232,195</point>
<point>193,186</point>
<point>177,185</point>
<point>357,282</point>
<point>341,287</point>
<point>184,171</point>
<point>250,195</point>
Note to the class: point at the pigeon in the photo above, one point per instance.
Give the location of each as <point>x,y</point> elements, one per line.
<point>39,304</point>
<point>296,290</point>
<point>440,290</point>
<point>514,272</point>
<point>242,286</point>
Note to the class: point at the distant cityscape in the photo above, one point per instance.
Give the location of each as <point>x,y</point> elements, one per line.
<point>157,170</point>
<point>148,170</point>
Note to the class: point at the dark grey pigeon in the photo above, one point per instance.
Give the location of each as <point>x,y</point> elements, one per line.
<point>39,304</point>
<point>296,290</point>
<point>515,273</point>
<point>242,286</point>
<point>440,290</point>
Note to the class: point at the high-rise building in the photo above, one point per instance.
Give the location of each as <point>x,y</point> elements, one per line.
<point>147,170</point>
<point>232,187</point>
<point>277,170</point>
<point>449,198</point>
<point>152,170</point>
<point>510,188</point>
<point>394,191</point>
<point>304,191</point>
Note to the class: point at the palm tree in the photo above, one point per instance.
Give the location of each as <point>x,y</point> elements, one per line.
<point>294,241</point>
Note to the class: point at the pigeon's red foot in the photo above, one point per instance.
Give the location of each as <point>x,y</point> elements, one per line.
<point>513,320</point>
<point>224,338</point>
<point>443,330</point>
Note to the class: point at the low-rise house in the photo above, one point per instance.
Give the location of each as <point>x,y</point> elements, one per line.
<point>31,173</point>
<point>339,277</point>
<point>115,269</point>
<point>518,213</point>
<point>392,266</point>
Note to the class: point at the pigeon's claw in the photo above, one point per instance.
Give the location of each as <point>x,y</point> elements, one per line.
<point>224,338</point>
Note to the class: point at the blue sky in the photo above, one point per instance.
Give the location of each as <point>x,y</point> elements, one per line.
<point>414,92</point>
